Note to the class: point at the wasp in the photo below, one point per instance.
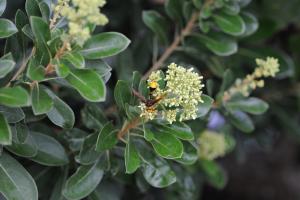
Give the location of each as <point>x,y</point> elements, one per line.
<point>150,103</point>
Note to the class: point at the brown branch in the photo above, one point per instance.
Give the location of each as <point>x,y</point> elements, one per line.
<point>186,31</point>
<point>21,68</point>
<point>134,123</point>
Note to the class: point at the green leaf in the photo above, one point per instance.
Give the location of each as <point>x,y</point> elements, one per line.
<point>40,29</point>
<point>197,3</point>
<point>75,59</point>
<point>12,115</point>
<point>93,117</point>
<point>105,45</point>
<point>60,114</point>
<point>88,155</point>
<point>241,121</point>
<point>173,9</point>
<point>7,28</point>
<point>14,97</point>
<point>5,132</point>
<point>15,182</point>
<point>166,145</point>
<point>219,44</point>
<point>214,173</point>
<point>35,71</point>
<point>204,108</point>
<point>41,101</point>
<point>6,66</point>
<point>27,149</point>
<point>2,6</point>
<point>107,138</point>
<point>230,24</point>
<point>156,170</point>
<point>83,182</point>
<point>50,151</point>
<point>122,93</point>
<point>250,105</point>
<point>157,24</point>
<point>88,83</point>
<point>32,8</point>
<point>132,159</point>
<point>107,190</point>
<point>22,132</point>
<point>228,79</point>
<point>189,156</point>
<point>45,11</point>
<point>250,22</point>
<point>59,185</point>
<point>179,130</point>
<point>61,67</point>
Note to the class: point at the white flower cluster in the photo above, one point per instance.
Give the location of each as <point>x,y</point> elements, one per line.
<point>180,96</point>
<point>211,145</point>
<point>80,15</point>
<point>266,68</point>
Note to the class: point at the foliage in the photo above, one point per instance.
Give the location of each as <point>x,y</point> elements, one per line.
<point>60,116</point>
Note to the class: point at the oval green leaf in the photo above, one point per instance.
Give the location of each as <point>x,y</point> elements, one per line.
<point>105,45</point>
<point>230,24</point>
<point>15,182</point>
<point>250,105</point>
<point>132,159</point>
<point>50,151</point>
<point>88,83</point>
<point>107,138</point>
<point>5,132</point>
<point>6,66</point>
<point>14,97</point>
<point>241,121</point>
<point>7,28</point>
<point>41,101</point>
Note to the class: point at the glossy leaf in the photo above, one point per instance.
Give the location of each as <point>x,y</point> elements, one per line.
<point>7,28</point>
<point>241,121</point>
<point>32,8</point>
<point>88,83</point>
<point>35,71</point>
<point>6,66</point>
<point>83,182</point>
<point>189,156</point>
<point>230,24</point>
<point>50,151</point>
<point>157,24</point>
<point>122,93</point>
<point>179,130</point>
<point>107,138</point>
<point>15,182</point>
<point>218,44</point>
<point>204,108</point>
<point>105,45</point>
<point>93,117</point>
<point>75,59</point>
<point>250,22</point>
<point>12,115</point>
<point>173,9</point>
<point>5,132</point>
<point>40,29</point>
<point>2,6</point>
<point>132,159</point>
<point>22,132</point>
<point>166,145</point>
<point>88,155</point>
<point>60,114</point>
<point>250,105</point>
<point>14,97</point>
<point>41,101</point>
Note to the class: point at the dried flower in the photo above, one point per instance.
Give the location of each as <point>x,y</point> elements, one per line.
<point>266,68</point>
<point>181,94</point>
<point>211,145</point>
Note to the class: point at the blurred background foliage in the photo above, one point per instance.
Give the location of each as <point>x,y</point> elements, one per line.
<point>266,164</point>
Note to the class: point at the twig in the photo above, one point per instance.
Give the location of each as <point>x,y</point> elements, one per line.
<point>186,31</point>
<point>21,68</point>
<point>127,127</point>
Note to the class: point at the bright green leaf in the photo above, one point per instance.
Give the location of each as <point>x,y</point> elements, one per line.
<point>179,130</point>
<point>35,71</point>
<point>75,59</point>
<point>105,45</point>
<point>14,97</point>
<point>88,83</point>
